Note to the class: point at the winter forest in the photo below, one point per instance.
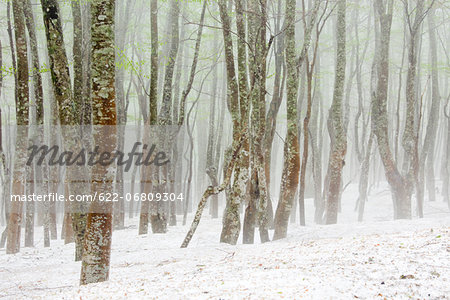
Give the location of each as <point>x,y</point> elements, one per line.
<point>220,149</point>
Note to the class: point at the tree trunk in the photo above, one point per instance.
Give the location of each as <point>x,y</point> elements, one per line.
<point>446,159</point>
<point>291,166</point>
<point>153,119</point>
<point>402,200</point>
<point>339,147</point>
<point>120,37</point>
<point>22,108</point>
<point>428,148</point>
<point>69,116</point>
<point>231,219</point>
<point>211,191</point>
<point>364,178</point>
<point>97,244</point>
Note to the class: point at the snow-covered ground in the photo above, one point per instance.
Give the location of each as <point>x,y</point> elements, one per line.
<point>378,258</point>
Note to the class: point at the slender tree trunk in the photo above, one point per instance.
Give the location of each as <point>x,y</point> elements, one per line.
<point>22,109</point>
<point>411,131</point>
<point>301,196</point>
<point>315,134</point>
<point>428,148</point>
<point>211,191</point>
<point>158,210</point>
<point>211,167</point>
<point>364,178</point>
<point>291,167</point>
<point>446,159</point>
<point>339,147</point>
<point>120,36</point>
<point>30,209</point>
<point>68,232</point>
<point>153,119</point>
<point>3,164</point>
<point>7,174</point>
<point>86,64</point>
<point>69,116</point>
<point>401,198</point>
<point>271,118</point>
<point>231,219</point>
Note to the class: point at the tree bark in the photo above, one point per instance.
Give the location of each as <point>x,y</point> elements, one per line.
<point>22,109</point>
<point>291,167</point>
<point>211,191</point>
<point>97,244</point>
<point>231,219</point>
<point>429,143</point>
<point>153,119</point>
<point>339,147</point>
<point>380,122</point>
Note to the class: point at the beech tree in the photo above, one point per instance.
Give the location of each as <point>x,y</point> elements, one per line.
<point>339,144</point>
<point>22,111</point>
<point>97,243</point>
<point>401,197</point>
<point>69,112</point>
<point>291,165</point>
<point>231,219</point>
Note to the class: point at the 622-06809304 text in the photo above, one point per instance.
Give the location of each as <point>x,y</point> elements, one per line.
<point>102,197</point>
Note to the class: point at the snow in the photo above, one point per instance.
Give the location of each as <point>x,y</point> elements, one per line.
<point>378,258</point>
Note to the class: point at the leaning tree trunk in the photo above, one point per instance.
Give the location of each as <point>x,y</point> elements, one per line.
<point>380,122</point>
<point>97,244</point>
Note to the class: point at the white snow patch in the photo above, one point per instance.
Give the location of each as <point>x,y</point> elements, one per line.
<point>378,258</point>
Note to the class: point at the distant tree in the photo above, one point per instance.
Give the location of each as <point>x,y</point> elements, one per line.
<point>153,119</point>
<point>22,119</point>
<point>14,65</point>
<point>427,156</point>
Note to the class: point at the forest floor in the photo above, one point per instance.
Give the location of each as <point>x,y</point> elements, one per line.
<point>378,258</point>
